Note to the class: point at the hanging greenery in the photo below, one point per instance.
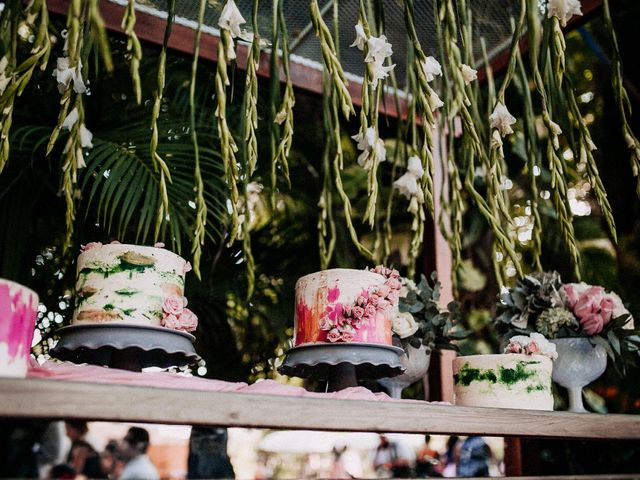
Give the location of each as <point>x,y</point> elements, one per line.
<point>447,121</point>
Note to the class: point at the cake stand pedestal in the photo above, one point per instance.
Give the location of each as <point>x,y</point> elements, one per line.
<point>128,347</point>
<point>343,364</point>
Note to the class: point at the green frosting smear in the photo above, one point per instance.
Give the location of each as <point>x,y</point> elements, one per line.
<point>505,376</point>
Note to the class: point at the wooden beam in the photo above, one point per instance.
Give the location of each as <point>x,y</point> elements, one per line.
<point>103,402</point>
<point>151,29</point>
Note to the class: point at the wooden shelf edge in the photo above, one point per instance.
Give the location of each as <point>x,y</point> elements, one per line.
<point>63,399</point>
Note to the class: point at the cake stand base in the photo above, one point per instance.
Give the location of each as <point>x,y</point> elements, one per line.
<point>128,347</point>
<point>343,364</point>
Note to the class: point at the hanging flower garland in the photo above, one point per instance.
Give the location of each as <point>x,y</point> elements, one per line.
<point>134,49</point>
<point>229,23</point>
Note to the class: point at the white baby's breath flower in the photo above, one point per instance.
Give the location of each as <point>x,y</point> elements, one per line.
<point>407,185</point>
<point>361,37</point>
<point>231,19</point>
<point>86,137</point>
<point>468,73</point>
<point>434,101</point>
<point>414,167</point>
<point>431,68</point>
<point>563,9</point>
<point>380,72</point>
<point>70,120</point>
<point>502,119</point>
<point>378,49</point>
<point>404,325</point>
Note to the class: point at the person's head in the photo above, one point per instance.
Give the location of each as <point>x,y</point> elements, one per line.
<point>76,429</point>
<point>108,456</point>
<point>451,442</point>
<point>134,443</point>
<point>427,438</point>
<point>62,471</point>
<point>384,441</point>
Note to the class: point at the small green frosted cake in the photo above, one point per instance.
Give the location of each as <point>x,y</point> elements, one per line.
<point>511,380</point>
<point>131,284</point>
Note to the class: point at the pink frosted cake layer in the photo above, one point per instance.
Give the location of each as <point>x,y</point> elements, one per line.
<point>323,296</point>
<point>18,310</point>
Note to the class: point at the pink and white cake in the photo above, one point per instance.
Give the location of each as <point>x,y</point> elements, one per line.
<point>18,311</point>
<point>132,284</point>
<point>343,305</point>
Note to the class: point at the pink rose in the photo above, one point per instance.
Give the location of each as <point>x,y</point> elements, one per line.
<point>188,320</point>
<point>592,324</point>
<point>173,304</point>
<point>347,310</point>
<point>373,299</point>
<point>170,321</point>
<point>513,347</point>
<point>186,268</point>
<point>393,283</point>
<point>158,245</point>
<point>394,274</point>
<point>358,312</point>
<point>326,324</point>
<point>89,246</point>
<point>607,307</point>
<point>570,295</point>
<point>362,298</point>
<point>383,304</point>
<point>532,348</point>
<point>370,311</point>
<point>384,290</point>
<point>334,335</point>
<point>347,336</point>
<point>589,302</point>
<point>393,297</point>
<point>356,323</point>
<point>115,242</point>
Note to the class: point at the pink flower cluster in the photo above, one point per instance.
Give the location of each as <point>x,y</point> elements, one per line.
<point>176,315</point>
<point>592,306</point>
<point>530,349</point>
<point>342,320</point>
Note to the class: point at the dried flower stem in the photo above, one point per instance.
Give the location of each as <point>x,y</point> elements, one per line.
<point>134,48</point>
<point>326,223</point>
<point>99,33</point>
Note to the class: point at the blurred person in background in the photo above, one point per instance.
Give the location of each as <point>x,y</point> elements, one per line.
<point>392,459</point>
<point>109,462</point>
<point>82,457</point>
<point>449,459</point>
<point>428,461</point>
<point>132,450</point>
<point>474,459</point>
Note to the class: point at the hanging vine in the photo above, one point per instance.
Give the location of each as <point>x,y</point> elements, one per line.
<point>134,49</point>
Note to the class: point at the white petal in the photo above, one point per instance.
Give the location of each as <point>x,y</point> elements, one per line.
<point>231,18</point>
<point>361,37</point>
<point>86,137</point>
<point>434,101</point>
<point>378,49</point>
<point>70,119</point>
<point>502,119</point>
<point>563,9</point>
<point>380,72</point>
<point>3,64</point>
<point>468,73</point>
<point>414,167</point>
<point>432,68</point>
<point>407,185</point>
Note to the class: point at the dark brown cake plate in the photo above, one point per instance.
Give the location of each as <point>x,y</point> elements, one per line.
<point>343,364</point>
<point>129,347</point>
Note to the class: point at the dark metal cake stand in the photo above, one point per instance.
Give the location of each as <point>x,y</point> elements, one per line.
<point>342,364</point>
<point>128,347</point>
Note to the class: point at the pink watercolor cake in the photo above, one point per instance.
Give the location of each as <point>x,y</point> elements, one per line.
<point>18,310</point>
<point>342,305</point>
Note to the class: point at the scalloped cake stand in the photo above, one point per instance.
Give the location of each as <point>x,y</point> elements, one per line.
<point>342,364</point>
<point>128,347</point>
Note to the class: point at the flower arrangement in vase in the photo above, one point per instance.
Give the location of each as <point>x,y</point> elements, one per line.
<point>420,326</point>
<point>585,322</point>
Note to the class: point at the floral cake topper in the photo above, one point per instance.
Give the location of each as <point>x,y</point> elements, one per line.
<point>341,320</point>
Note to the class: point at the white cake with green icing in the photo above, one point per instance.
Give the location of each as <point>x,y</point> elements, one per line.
<point>132,284</point>
<point>521,379</point>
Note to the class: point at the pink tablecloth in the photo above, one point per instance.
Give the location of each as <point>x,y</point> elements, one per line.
<point>93,374</point>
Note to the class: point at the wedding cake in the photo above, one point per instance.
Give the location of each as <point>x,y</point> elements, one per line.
<point>518,378</point>
<point>132,284</point>
<point>343,305</point>
<point>18,310</point>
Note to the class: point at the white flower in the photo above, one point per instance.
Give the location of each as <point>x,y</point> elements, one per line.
<point>563,9</point>
<point>434,101</point>
<point>378,49</point>
<point>86,137</point>
<point>371,146</point>
<point>379,150</point>
<point>414,167</point>
<point>431,68</point>
<point>404,325</point>
<point>65,75</point>
<point>408,186</point>
<point>4,62</point>
<point>361,37</point>
<point>70,120</point>
<point>502,119</point>
<point>380,72</point>
<point>4,81</point>
<point>468,73</point>
<point>619,309</point>
<point>555,128</point>
<point>231,19</point>
<point>80,159</point>
<point>545,347</point>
